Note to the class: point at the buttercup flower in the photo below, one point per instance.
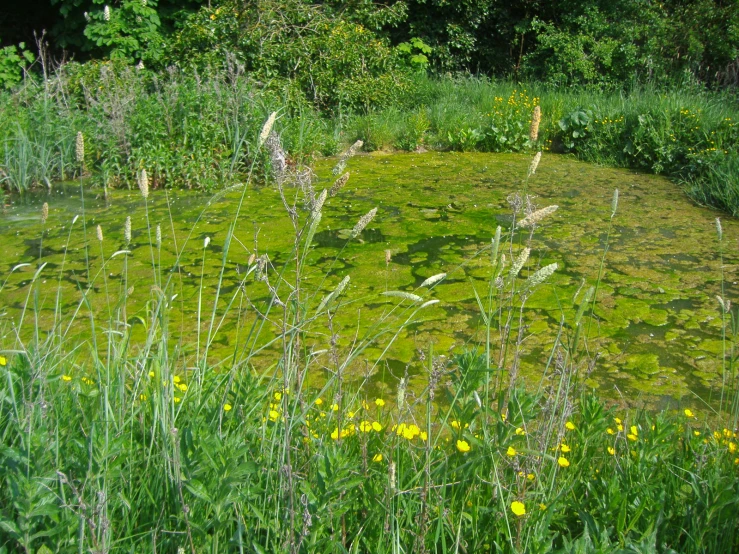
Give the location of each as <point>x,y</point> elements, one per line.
<point>227,407</point>
<point>463,446</point>
<point>563,462</point>
<point>518,508</point>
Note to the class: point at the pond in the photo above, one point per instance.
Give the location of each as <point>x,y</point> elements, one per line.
<point>657,328</point>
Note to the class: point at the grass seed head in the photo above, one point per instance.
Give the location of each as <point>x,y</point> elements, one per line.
<point>363,222</point>
<point>535,122</point>
<point>144,183</point>
<point>339,184</point>
<point>79,147</point>
<point>44,212</point>
<point>127,230</point>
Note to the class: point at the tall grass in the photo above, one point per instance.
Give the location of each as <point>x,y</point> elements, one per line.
<point>136,444</point>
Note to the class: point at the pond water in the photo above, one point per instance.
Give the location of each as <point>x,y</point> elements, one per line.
<point>658,325</point>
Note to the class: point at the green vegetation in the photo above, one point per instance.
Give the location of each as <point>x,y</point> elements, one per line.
<point>138,440</point>
<point>140,412</point>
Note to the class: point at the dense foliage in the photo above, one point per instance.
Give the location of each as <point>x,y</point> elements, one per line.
<point>577,42</point>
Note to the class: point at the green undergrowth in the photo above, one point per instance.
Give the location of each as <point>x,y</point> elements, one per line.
<point>197,131</point>
<point>139,438</point>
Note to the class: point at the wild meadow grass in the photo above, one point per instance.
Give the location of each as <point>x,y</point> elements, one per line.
<point>132,440</point>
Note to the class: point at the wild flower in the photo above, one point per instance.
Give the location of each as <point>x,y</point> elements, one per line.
<point>518,508</point>
<point>319,401</point>
<point>511,451</point>
<point>520,431</point>
<point>273,415</point>
<point>688,412</point>
<point>463,446</point>
<point>563,462</point>
<point>565,448</point>
<point>65,378</point>
<point>3,361</point>
<point>570,426</point>
<point>376,426</point>
<point>227,407</point>
<point>611,450</point>
<point>106,13</point>
<point>377,458</point>
<point>379,402</point>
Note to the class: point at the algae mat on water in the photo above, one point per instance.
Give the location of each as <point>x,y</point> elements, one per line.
<point>657,330</point>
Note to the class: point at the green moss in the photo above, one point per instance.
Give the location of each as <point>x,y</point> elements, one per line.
<point>436,213</point>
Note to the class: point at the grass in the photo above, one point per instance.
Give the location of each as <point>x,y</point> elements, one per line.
<point>130,442</point>
<point>192,131</point>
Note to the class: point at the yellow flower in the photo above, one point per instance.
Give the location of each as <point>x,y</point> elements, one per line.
<point>227,407</point>
<point>570,426</point>
<point>520,431</point>
<point>565,448</point>
<point>335,407</point>
<point>511,451</point>
<point>423,436</point>
<point>697,433</point>
<point>212,17</point>
<point>142,397</point>
<point>518,508</point>
<point>530,476</point>
<point>177,399</point>
<point>563,462</point>
<point>335,434</point>
<point>278,396</point>
<point>463,446</point>
<point>365,427</point>
<point>182,387</point>
<point>611,451</point>
<point>3,361</point>
<point>273,415</point>
<point>620,427</point>
<point>350,415</point>
<point>542,507</point>
<point>66,378</point>
<point>376,426</point>
<point>617,420</point>
<point>379,402</point>
<point>377,458</point>
<point>319,401</point>
<point>634,430</point>
<point>456,424</point>
<point>151,374</point>
<point>176,379</point>
<point>732,447</point>
<point>632,437</point>
<point>610,431</point>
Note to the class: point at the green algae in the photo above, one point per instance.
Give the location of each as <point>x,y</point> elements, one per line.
<point>656,327</point>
